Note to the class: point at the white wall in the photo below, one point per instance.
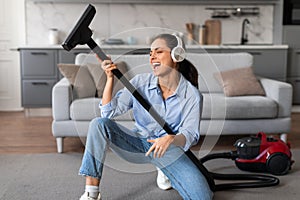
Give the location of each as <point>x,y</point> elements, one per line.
<point>122,20</point>
<point>12,35</point>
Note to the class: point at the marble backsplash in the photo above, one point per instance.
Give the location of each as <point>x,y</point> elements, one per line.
<point>140,22</point>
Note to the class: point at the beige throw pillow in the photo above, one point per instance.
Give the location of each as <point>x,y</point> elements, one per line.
<point>80,78</point>
<point>99,77</point>
<point>239,82</point>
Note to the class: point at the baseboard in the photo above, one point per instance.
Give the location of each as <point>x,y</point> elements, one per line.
<point>38,112</point>
<point>295,108</point>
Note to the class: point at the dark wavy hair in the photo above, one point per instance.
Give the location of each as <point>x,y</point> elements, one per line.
<point>186,68</point>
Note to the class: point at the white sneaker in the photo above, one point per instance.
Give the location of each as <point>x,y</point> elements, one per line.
<point>85,196</point>
<point>163,181</point>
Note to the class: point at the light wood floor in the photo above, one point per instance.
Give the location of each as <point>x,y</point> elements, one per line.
<point>20,134</point>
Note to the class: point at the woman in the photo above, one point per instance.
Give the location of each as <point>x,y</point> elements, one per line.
<point>171,89</point>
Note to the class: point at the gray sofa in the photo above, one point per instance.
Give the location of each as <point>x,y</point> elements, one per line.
<point>221,115</point>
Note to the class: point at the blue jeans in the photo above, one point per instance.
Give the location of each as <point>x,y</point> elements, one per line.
<point>185,177</point>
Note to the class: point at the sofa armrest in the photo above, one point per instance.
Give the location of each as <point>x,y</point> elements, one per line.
<point>61,100</point>
<point>280,92</point>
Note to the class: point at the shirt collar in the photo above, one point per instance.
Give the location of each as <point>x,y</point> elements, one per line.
<point>153,82</point>
<point>180,90</point>
<point>182,87</point>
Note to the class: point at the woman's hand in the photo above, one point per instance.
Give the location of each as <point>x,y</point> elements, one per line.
<point>108,66</point>
<point>160,145</point>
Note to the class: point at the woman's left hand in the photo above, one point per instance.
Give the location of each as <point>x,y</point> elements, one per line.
<point>160,145</point>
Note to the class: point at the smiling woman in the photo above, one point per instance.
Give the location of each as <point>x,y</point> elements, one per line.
<point>179,103</point>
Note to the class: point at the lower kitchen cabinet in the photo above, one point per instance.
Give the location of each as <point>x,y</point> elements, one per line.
<point>293,73</point>
<point>294,62</point>
<point>291,38</point>
<point>37,93</point>
<point>295,82</point>
<point>39,73</point>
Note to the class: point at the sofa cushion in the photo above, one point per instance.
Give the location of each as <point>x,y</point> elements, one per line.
<point>80,79</point>
<point>86,109</point>
<point>216,106</point>
<point>239,82</point>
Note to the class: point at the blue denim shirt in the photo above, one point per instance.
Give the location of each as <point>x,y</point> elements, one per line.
<point>181,111</point>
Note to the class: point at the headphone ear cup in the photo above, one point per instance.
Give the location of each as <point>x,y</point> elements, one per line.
<point>178,54</point>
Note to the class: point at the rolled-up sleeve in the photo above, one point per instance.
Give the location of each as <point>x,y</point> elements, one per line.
<point>191,123</point>
<point>119,104</point>
<point>107,109</point>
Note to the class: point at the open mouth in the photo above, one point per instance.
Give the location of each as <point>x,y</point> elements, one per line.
<point>155,65</point>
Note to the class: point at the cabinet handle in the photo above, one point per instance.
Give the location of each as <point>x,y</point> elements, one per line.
<point>39,83</point>
<point>297,52</point>
<point>39,53</point>
<point>255,53</point>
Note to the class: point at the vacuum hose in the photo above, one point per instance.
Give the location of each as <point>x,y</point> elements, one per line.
<point>230,155</point>
<point>253,180</point>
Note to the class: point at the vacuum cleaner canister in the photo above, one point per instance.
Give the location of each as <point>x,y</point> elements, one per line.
<point>263,154</point>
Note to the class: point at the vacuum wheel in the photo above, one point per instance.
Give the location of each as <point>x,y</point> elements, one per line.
<point>278,164</point>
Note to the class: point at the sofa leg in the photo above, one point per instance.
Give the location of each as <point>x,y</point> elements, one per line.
<point>283,137</point>
<point>60,144</point>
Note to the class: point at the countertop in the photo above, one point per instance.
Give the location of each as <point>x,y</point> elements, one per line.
<point>222,46</point>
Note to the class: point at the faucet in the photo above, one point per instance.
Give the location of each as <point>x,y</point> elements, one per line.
<point>244,38</point>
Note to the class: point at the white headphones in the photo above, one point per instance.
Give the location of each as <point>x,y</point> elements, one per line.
<point>178,52</point>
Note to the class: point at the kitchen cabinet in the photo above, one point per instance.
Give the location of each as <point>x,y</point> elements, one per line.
<point>270,63</point>
<point>37,93</point>
<point>293,74</point>
<point>38,64</point>
<point>39,73</point>
<point>294,62</point>
<point>291,37</point>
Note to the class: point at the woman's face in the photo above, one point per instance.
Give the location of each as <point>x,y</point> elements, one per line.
<point>160,58</point>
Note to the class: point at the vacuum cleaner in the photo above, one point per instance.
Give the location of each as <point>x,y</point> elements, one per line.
<point>81,34</point>
<point>259,154</point>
